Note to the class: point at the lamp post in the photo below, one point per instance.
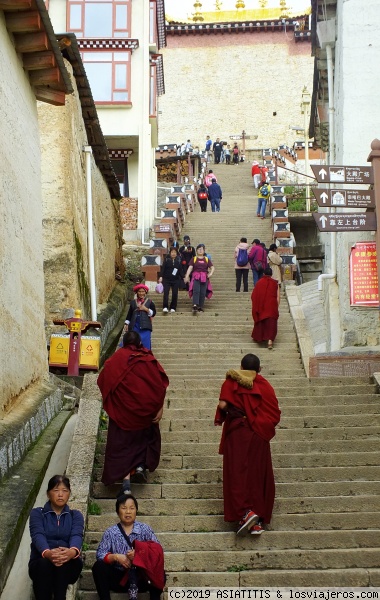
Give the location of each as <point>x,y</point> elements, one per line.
<point>305,111</point>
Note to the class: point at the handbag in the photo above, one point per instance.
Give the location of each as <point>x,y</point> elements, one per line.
<point>159,288</point>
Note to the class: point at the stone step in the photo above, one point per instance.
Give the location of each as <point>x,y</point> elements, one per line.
<point>287,422</point>
<point>184,417</point>
<point>342,459</point>
<point>350,415</point>
<point>282,475</point>
<point>213,490</point>
<point>272,559</point>
<point>291,506</point>
<point>215,523</point>
<point>277,540</point>
<point>300,389</point>
<point>353,577</point>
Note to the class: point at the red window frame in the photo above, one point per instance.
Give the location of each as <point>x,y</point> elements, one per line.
<point>82,3</point>
<point>113,62</point>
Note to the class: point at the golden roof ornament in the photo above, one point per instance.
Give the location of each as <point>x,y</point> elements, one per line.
<point>197,16</point>
<point>218,5</point>
<point>240,4</point>
<point>284,8</point>
<point>263,3</point>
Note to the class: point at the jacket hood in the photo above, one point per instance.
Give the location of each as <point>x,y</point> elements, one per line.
<point>242,377</point>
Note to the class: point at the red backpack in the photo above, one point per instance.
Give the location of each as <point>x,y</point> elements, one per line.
<point>202,196</point>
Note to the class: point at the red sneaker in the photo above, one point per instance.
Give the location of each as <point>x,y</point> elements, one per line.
<point>251,518</point>
<point>257,529</point>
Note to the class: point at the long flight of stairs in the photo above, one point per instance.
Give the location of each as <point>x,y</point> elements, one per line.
<point>326,454</point>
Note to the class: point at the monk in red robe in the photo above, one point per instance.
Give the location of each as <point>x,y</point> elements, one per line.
<point>249,410</point>
<point>265,301</point>
<point>133,386</point>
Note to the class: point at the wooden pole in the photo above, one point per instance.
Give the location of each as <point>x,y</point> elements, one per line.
<point>374,158</point>
<point>243,134</point>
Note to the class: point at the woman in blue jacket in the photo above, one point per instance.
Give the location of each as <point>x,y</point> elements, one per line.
<point>57,535</point>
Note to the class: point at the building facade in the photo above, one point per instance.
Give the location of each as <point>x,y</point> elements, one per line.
<point>233,71</point>
<point>119,43</point>
<point>345,119</point>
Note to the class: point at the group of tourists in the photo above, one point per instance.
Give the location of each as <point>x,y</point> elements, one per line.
<point>221,152</point>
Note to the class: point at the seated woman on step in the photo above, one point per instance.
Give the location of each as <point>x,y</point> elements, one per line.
<point>133,386</point>
<point>129,557</point>
<point>57,535</point>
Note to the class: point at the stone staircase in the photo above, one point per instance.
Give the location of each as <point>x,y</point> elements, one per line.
<point>326,454</point>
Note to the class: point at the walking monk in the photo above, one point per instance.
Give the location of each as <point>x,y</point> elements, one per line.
<point>265,300</point>
<point>133,386</point>
<point>249,410</point>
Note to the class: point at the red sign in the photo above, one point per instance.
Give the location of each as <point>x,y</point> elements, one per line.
<point>363,275</point>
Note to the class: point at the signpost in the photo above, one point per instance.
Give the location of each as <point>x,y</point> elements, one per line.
<point>337,174</point>
<point>243,136</point>
<point>365,221</point>
<point>345,198</point>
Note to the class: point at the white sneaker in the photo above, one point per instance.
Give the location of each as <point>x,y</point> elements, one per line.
<point>165,310</point>
<point>172,310</point>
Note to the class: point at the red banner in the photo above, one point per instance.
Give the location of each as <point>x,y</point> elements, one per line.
<point>363,275</point>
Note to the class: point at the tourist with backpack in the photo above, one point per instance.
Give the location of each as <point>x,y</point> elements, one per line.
<point>201,269</point>
<point>242,265</point>
<point>235,154</point>
<point>258,260</point>
<point>209,177</point>
<point>202,197</point>
<point>263,197</point>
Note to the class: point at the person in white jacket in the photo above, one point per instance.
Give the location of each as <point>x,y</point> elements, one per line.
<point>274,261</point>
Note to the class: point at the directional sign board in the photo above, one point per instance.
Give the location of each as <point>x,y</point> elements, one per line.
<point>236,137</point>
<point>347,198</point>
<point>365,221</point>
<point>336,174</point>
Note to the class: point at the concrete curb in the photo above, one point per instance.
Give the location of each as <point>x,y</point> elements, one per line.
<point>81,459</point>
<point>300,326</point>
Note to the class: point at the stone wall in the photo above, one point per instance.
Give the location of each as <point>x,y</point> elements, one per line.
<point>63,136</point>
<point>218,85</point>
<point>22,340</point>
<point>128,213</point>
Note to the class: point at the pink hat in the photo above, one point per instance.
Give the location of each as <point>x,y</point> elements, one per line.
<point>141,286</point>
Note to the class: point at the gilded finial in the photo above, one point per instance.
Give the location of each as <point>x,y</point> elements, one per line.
<point>240,4</point>
<point>284,8</point>
<point>263,3</point>
<point>197,16</point>
<point>218,4</point>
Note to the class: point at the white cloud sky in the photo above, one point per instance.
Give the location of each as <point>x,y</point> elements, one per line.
<point>184,8</point>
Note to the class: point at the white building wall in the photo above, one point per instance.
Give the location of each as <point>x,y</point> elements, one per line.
<point>357,123</point>
<point>22,337</point>
<point>130,124</point>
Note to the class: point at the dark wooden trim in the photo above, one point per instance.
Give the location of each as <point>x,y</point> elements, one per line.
<point>39,60</point>
<point>32,42</point>
<point>23,22</point>
<point>45,94</point>
<point>45,77</point>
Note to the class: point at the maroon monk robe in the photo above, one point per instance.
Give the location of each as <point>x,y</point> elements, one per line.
<point>265,309</point>
<point>133,386</point>
<point>249,425</point>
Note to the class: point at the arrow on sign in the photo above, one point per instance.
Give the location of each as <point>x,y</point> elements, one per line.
<point>324,197</point>
<point>323,220</point>
<point>323,173</point>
